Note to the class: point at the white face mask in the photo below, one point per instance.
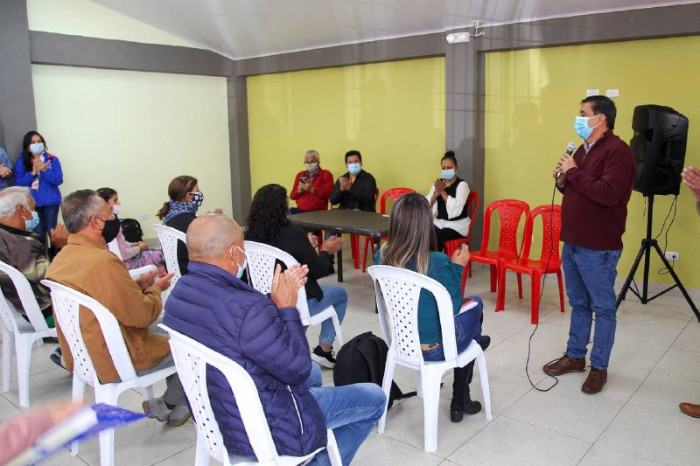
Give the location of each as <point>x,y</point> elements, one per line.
<point>116,208</point>
<point>36,148</point>
<point>311,167</point>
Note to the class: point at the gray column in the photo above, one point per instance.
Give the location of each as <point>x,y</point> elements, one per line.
<point>238,147</point>
<point>17,113</point>
<point>463,117</point>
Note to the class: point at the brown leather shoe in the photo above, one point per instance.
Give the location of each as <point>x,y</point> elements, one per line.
<point>595,381</point>
<point>564,365</point>
<point>690,409</point>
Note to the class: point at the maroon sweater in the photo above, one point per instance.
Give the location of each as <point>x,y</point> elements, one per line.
<point>594,208</point>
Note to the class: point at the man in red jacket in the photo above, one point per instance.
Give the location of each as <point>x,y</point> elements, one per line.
<point>312,187</point>
<point>596,183</point>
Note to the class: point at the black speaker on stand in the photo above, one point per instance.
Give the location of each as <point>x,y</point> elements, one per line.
<point>659,143</point>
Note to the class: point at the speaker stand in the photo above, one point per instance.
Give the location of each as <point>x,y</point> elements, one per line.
<point>648,244</point>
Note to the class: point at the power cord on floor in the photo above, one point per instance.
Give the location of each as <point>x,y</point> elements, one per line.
<point>544,279</point>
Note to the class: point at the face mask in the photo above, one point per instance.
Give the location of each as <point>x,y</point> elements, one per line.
<point>116,208</point>
<point>32,223</point>
<point>110,230</point>
<point>581,127</point>
<point>36,148</point>
<point>354,168</point>
<point>241,267</point>
<point>198,198</point>
<point>448,174</point>
<point>311,167</point>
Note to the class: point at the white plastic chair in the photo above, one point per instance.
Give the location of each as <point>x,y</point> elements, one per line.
<point>67,305</point>
<point>135,273</point>
<point>191,359</point>
<point>22,332</point>
<point>261,270</point>
<point>169,238</point>
<point>397,291</point>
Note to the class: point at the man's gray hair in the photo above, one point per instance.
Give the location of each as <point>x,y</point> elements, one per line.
<point>12,198</point>
<point>78,207</point>
<point>313,152</point>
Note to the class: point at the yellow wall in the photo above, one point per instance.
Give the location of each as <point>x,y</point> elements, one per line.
<point>87,18</point>
<point>393,113</point>
<point>135,132</point>
<point>533,97</point>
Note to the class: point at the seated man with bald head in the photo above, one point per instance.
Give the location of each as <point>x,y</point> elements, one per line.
<point>212,305</point>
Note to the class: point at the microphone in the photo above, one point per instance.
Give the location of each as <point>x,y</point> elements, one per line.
<point>570,148</point>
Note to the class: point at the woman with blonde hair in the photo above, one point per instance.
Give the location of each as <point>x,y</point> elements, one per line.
<point>411,246</point>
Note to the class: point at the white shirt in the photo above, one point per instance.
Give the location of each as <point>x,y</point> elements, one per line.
<point>454,206</point>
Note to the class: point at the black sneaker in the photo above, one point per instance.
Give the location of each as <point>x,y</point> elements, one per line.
<point>484,342</point>
<point>323,358</point>
<point>57,358</point>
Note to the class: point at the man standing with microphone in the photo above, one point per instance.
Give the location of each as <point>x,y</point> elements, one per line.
<point>596,183</point>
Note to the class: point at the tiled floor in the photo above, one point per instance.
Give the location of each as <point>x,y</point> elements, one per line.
<point>635,420</point>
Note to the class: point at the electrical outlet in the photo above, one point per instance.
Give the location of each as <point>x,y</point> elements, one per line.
<point>672,256</point>
<point>145,216</point>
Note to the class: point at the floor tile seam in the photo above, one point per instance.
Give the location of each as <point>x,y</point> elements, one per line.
<point>174,454</point>
<point>679,414</point>
<point>410,445</point>
<point>14,379</point>
<point>685,379</point>
<point>610,423</point>
<point>653,369</point>
<point>548,429</point>
<point>620,451</point>
<point>520,398</point>
<point>685,349</point>
<point>534,341</point>
<point>619,410</point>
<point>681,333</point>
<point>627,401</point>
<point>488,423</point>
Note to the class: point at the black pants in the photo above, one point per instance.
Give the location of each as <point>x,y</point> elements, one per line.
<point>445,234</point>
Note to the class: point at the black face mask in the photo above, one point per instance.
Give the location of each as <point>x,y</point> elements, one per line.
<point>110,229</point>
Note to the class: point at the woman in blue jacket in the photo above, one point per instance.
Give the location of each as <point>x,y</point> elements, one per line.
<point>42,173</point>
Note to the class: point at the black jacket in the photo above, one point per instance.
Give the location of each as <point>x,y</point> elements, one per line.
<point>294,241</point>
<point>359,196</point>
<point>182,222</point>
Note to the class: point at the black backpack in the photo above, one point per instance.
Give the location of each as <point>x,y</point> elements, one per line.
<point>131,229</point>
<point>363,359</point>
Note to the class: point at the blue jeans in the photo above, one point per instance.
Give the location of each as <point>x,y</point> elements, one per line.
<point>590,286</point>
<point>351,411</point>
<point>48,217</point>
<point>467,328</point>
<point>315,379</point>
<point>333,295</point>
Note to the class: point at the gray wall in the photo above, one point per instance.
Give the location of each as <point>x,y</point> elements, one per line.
<point>17,115</point>
<point>464,73</point>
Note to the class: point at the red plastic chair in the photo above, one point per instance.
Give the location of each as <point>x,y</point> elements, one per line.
<point>355,239</point>
<point>451,246</point>
<point>510,212</point>
<point>394,194</point>
<point>551,228</point>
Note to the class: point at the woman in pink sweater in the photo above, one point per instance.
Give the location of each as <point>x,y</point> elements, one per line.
<point>134,255</point>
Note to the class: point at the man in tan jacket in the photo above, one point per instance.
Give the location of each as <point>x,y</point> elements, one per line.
<point>87,265</point>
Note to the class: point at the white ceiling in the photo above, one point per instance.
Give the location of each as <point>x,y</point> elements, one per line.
<point>251,28</point>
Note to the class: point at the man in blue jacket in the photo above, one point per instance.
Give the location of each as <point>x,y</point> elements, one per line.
<point>266,337</point>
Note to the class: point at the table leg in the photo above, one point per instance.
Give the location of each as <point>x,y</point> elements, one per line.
<point>339,261</point>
